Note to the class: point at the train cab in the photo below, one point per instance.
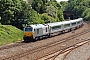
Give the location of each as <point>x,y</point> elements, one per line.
<point>28,33</point>
<point>33,32</point>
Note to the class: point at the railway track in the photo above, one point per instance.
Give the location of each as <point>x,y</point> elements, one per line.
<point>33,52</point>
<point>88,58</point>
<point>68,49</point>
<point>12,45</point>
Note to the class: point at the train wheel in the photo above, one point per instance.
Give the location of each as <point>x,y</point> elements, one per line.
<point>49,35</point>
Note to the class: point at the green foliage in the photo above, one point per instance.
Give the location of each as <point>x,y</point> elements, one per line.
<point>35,18</point>
<point>52,19</point>
<point>46,18</point>
<point>20,13</point>
<point>10,11</point>
<point>39,5</point>
<point>60,15</point>
<point>50,7</point>
<point>64,5</point>
<point>51,11</point>
<point>53,0</point>
<point>86,14</point>
<point>9,34</point>
<point>79,7</point>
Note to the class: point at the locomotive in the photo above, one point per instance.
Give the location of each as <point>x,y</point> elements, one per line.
<point>32,32</point>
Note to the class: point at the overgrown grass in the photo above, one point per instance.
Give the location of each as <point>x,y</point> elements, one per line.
<point>9,34</point>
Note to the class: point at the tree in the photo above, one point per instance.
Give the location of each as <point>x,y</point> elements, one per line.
<point>39,5</point>
<point>46,18</point>
<point>86,14</point>
<point>53,0</point>
<point>6,11</point>
<point>19,13</point>
<point>51,11</point>
<point>64,5</point>
<point>78,7</point>
<point>9,10</point>
<point>60,15</point>
<point>35,18</point>
<point>14,12</point>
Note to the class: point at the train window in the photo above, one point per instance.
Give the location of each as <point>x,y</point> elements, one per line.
<point>82,21</point>
<point>28,29</point>
<point>37,31</point>
<point>73,23</point>
<point>53,27</point>
<point>56,27</point>
<point>78,22</point>
<point>66,25</point>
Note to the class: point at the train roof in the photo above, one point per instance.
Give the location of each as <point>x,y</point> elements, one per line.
<point>66,22</point>
<point>71,21</point>
<point>55,24</point>
<point>38,26</point>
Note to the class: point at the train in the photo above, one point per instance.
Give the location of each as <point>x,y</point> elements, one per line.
<point>33,32</point>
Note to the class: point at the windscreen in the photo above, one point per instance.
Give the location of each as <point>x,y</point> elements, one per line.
<point>28,29</point>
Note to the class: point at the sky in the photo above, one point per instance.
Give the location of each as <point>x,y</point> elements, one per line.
<point>61,0</point>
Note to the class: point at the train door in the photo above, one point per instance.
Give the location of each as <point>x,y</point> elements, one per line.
<point>35,33</point>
